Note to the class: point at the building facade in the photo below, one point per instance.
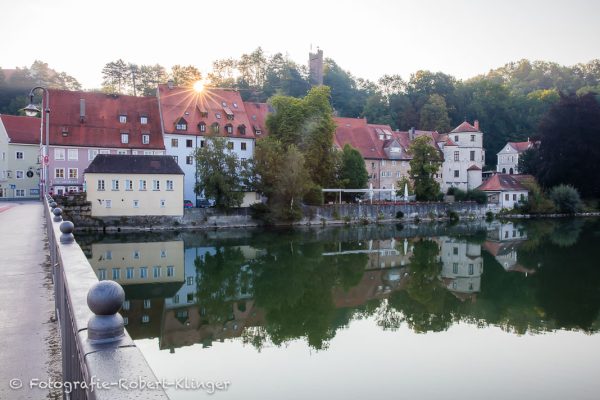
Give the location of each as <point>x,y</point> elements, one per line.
<point>464,157</point>
<point>85,124</point>
<point>189,119</point>
<point>508,157</point>
<point>19,157</point>
<point>504,191</point>
<point>134,185</point>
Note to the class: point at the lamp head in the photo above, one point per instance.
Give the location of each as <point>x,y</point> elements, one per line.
<point>31,110</point>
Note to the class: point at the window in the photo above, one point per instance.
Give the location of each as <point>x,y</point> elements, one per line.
<point>456,138</point>
<point>174,142</point>
<point>19,174</point>
<point>514,197</point>
<point>136,254</point>
<point>123,118</point>
<point>218,115</point>
<point>456,173</point>
<point>215,127</point>
<point>129,273</point>
<point>73,154</point>
<point>163,254</point>
<point>382,174</point>
<point>142,184</point>
<point>144,120</point>
<point>175,299</point>
<point>103,151</point>
<point>202,126</point>
<point>116,274</point>
<point>59,154</point>
<point>189,160</point>
<point>100,185</point>
<point>156,271</point>
<point>163,202</point>
<point>190,297</point>
<point>382,163</point>
<point>455,268</point>
<point>147,152</point>
<point>189,280</point>
<point>202,143</point>
<point>115,184</point>
<point>230,145</point>
<point>136,204</point>
<point>472,155</point>
<point>128,184</point>
<point>456,156</point>
<point>124,138</point>
<point>507,197</point>
<point>92,154</point>
<point>470,269</point>
<point>472,138</point>
<point>19,155</point>
<point>169,184</point>
<point>155,184</point>
<point>170,271</point>
<point>59,173</point>
<point>242,146</point>
<point>145,139</point>
<point>229,129</point>
<point>73,173</point>
<point>242,129</point>
<point>189,143</point>
<point>181,125</point>
<point>108,203</point>
<point>20,193</point>
<point>147,304</point>
<point>455,251</point>
<point>393,163</point>
<point>143,272</point>
<point>145,319</point>
<point>101,274</point>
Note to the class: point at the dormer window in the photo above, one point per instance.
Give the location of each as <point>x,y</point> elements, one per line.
<point>215,127</point>
<point>145,138</point>
<point>235,105</point>
<point>181,125</point>
<point>123,118</point>
<point>218,115</point>
<point>257,130</point>
<point>228,113</point>
<point>124,137</point>
<point>242,129</point>
<point>65,131</point>
<point>203,114</point>
<point>144,120</point>
<point>229,129</point>
<point>202,126</point>
<point>224,104</point>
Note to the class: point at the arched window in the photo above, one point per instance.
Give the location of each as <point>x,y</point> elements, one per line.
<point>181,124</point>
<point>503,170</point>
<point>511,171</point>
<point>229,129</point>
<point>202,126</point>
<point>242,129</point>
<point>215,127</point>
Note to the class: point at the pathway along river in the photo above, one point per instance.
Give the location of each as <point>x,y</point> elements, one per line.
<point>495,311</point>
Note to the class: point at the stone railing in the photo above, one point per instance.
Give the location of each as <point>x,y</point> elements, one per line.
<point>99,358</point>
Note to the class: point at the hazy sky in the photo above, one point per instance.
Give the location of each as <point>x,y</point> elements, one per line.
<point>368,37</point>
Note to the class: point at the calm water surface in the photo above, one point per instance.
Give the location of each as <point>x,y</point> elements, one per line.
<point>475,311</point>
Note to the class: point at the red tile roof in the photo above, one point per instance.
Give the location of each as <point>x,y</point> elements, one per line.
<point>257,114</point>
<point>24,130</point>
<point>501,182</point>
<point>521,146</point>
<point>473,168</point>
<point>359,135</point>
<point>465,127</point>
<point>450,142</point>
<point>101,127</point>
<point>177,103</point>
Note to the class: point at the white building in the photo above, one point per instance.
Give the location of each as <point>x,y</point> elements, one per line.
<point>464,157</point>
<point>504,191</point>
<point>508,157</point>
<point>462,265</point>
<point>189,117</point>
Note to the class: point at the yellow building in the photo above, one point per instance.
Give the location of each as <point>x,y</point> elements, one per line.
<point>134,185</point>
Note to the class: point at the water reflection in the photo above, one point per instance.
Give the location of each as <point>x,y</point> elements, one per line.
<point>268,288</point>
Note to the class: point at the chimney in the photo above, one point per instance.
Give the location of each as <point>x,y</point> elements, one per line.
<point>476,124</point>
<point>82,110</point>
<point>411,134</point>
<point>170,84</point>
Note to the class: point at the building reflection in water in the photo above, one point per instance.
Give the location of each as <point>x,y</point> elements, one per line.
<point>166,289</point>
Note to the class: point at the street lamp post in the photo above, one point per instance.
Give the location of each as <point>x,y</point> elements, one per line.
<point>32,110</point>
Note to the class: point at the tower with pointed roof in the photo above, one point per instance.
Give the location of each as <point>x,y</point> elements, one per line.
<point>464,157</point>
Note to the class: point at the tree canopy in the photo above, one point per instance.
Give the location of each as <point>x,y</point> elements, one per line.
<point>425,163</point>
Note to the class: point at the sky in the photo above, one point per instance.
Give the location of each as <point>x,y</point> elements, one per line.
<point>369,38</point>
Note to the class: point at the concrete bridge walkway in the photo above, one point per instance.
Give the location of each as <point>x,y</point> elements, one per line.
<point>29,339</point>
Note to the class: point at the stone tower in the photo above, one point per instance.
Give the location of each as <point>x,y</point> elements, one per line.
<point>315,67</point>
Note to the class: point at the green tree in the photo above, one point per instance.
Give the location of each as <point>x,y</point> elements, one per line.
<point>570,144</point>
<point>353,173</point>
<point>425,163</point>
<point>149,77</point>
<point>219,173</point>
<point>116,77</point>
<point>566,199</point>
<point>308,124</point>
<point>185,75</point>
<point>434,114</point>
